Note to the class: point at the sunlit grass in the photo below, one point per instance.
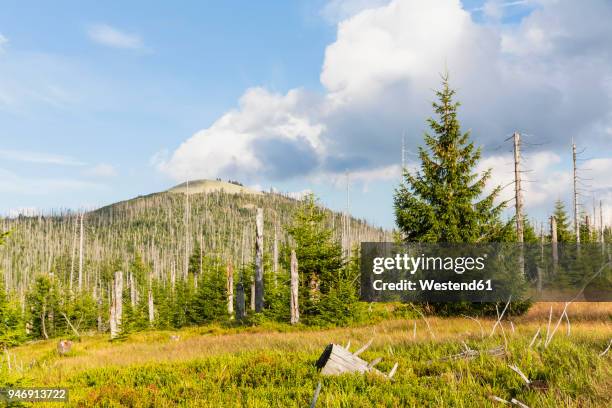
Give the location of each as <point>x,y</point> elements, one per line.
<point>274,365</point>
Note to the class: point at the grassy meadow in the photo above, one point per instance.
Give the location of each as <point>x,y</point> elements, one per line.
<point>274,365</point>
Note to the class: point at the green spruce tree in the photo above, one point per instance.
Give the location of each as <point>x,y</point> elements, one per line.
<point>564,235</point>
<point>444,201</point>
<point>11,323</point>
<point>327,293</point>
<point>42,301</point>
<point>210,300</point>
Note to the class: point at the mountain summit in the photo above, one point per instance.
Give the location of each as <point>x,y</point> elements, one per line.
<point>210,186</point>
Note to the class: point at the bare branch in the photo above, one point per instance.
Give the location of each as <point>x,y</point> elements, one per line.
<point>520,373</point>
<point>479,325</point>
<point>603,353</point>
<point>364,348</point>
<point>535,336</point>
<point>500,316</point>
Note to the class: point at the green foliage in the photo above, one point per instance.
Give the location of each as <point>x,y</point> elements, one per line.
<point>182,300</point>
<point>163,302</point>
<point>443,201</point>
<point>196,260</point>
<point>480,309</point>
<point>588,234</point>
<point>210,300</point>
<point>328,294</point>
<point>43,307</point>
<point>319,256</point>
<point>530,236</point>
<point>81,310</point>
<point>277,295</point>
<point>11,322</point>
<point>564,235</point>
<point>11,332</point>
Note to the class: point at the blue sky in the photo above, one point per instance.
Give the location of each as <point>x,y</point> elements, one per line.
<point>100,103</point>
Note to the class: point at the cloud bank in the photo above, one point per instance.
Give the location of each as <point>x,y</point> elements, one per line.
<point>547,75</point>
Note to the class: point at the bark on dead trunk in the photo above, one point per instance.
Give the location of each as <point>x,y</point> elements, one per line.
<point>133,291</point>
<point>553,240</point>
<point>151,307</point>
<point>339,360</point>
<point>275,257</point>
<point>239,301</point>
<point>116,305</point>
<point>230,288</point>
<point>259,289</point>
<point>81,255</point>
<point>295,310</point>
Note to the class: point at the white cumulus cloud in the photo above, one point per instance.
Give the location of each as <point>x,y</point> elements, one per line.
<point>547,75</point>
<point>242,143</point>
<point>109,36</point>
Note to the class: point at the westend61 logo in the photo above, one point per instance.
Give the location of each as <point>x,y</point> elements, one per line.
<point>412,264</point>
<point>485,272</point>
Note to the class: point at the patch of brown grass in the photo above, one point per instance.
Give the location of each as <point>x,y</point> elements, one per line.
<point>577,311</point>
<point>154,347</point>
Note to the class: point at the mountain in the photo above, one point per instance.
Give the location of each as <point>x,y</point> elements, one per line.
<point>163,229</point>
<point>210,186</point>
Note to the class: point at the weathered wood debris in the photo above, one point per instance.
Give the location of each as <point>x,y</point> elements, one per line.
<point>338,360</point>
<point>64,347</point>
<point>469,353</point>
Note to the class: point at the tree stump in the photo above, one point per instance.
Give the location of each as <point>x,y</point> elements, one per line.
<point>64,347</point>
<point>339,360</point>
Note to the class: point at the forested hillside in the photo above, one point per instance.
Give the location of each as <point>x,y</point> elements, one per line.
<point>159,241</point>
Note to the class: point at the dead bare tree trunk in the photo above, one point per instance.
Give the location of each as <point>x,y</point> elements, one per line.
<point>259,243</point>
<point>186,226</point>
<point>43,319</point>
<point>576,221</point>
<point>517,187</point>
<point>173,275</point>
<point>553,240</point>
<point>151,307</point>
<point>253,295</point>
<point>275,256</point>
<point>518,197</point>
<point>133,293</point>
<point>295,310</point>
<point>601,226</point>
<point>239,301</point>
<point>230,288</point>
<point>81,255</point>
<point>116,305</point>
<point>112,320</point>
<point>73,254</point>
<point>99,307</point>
